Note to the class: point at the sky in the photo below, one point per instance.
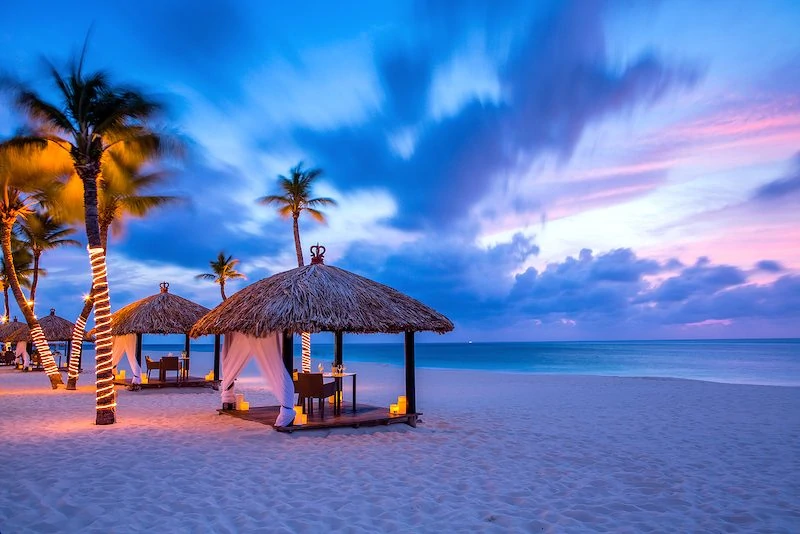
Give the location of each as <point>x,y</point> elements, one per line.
<point>533,170</point>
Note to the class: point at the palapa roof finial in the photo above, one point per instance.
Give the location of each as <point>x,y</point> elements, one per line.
<point>52,311</point>
<point>317,254</point>
<point>164,287</point>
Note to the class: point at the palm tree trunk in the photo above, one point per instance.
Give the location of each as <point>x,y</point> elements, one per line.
<point>79,330</point>
<point>222,290</point>
<point>305,337</point>
<point>36,331</point>
<point>88,168</point>
<point>5,302</point>
<point>35,282</point>
<point>297,247</point>
<point>76,347</point>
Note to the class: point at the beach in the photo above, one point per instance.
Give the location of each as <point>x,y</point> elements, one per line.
<point>494,452</point>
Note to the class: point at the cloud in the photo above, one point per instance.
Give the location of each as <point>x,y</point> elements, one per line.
<point>555,80</point>
<point>770,266</point>
<point>783,187</point>
<point>701,278</point>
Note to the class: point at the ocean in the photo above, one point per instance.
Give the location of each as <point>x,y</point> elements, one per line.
<point>762,361</point>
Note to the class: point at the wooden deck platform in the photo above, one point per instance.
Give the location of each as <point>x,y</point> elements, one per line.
<point>365,416</point>
<point>191,382</point>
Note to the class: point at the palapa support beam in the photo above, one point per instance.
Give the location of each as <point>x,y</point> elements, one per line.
<point>288,351</point>
<point>337,347</point>
<point>139,350</point>
<point>217,352</point>
<point>186,345</point>
<point>411,386</point>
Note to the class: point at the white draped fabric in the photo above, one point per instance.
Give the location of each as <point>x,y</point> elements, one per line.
<point>237,350</point>
<point>126,345</point>
<point>22,352</point>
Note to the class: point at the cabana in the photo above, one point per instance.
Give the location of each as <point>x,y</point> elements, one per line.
<point>162,313</point>
<point>7,335</point>
<point>260,320</point>
<point>55,329</point>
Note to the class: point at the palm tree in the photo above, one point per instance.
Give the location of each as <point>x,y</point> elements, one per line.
<point>222,269</point>
<point>26,173</point>
<point>93,116</point>
<point>23,266</point>
<point>42,232</point>
<point>123,194</point>
<point>296,198</point>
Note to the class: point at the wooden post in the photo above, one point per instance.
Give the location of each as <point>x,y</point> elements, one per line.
<point>217,351</point>
<point>186,345</point>
<point>139,350</point>
<point>411,387</point>
<point>288,351</point>
<point>69,351</point>
<point>337,347</point>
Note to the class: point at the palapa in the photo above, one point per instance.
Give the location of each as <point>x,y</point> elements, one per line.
<point>162,313</point>
<point>9,328</point>
<point>55,328</point>
<point>317,298</point>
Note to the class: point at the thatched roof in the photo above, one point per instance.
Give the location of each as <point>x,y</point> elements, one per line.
<point>162,313</point>
<point>56,328</point>
<point>317,298</point>
<point>7,329</point>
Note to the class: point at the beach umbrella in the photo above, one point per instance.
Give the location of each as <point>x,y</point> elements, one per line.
<point>319,297</point>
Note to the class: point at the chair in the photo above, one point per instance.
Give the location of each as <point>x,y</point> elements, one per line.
<point>9,358</point>
<point>152,366</point>
<point>170,363</point>
<point>310,386</point>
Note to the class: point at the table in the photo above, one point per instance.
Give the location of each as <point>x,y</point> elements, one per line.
<point>184,367</point>
<point>337,377</point>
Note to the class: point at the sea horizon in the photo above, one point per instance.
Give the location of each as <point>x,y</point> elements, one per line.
<point>761,361</point>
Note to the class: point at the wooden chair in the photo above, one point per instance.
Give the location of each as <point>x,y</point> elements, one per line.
<point>310,386</point>
<point>152,366</point>
<point>170,363</point>
<point>9,358</point>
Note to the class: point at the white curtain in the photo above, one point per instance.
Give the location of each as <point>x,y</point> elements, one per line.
<point>238,349</point>
<point>22,352</point>
<point>127,345</point>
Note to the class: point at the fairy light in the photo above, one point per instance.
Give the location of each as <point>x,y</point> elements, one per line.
<point>105,399</point>
<point>306,344</point>
<point>77,345</point>
<point>49,363</point>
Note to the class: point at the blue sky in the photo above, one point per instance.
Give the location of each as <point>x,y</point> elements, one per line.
<point>534,170</point>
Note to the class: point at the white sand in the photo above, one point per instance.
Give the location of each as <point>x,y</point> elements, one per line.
<point>495,453</point>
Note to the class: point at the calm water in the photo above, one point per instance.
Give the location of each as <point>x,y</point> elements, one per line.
<point>770,362</point>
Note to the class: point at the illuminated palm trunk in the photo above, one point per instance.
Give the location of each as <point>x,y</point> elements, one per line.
<point>76,347</point>
<point>105,397</point>
<point>305,337</point>
<point>37,335</point>
<point>79,330</point>
<point>87,165</point>
<point>306,345</point>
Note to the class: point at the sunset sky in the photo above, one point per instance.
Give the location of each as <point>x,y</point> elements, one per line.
<point>533,170</point>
